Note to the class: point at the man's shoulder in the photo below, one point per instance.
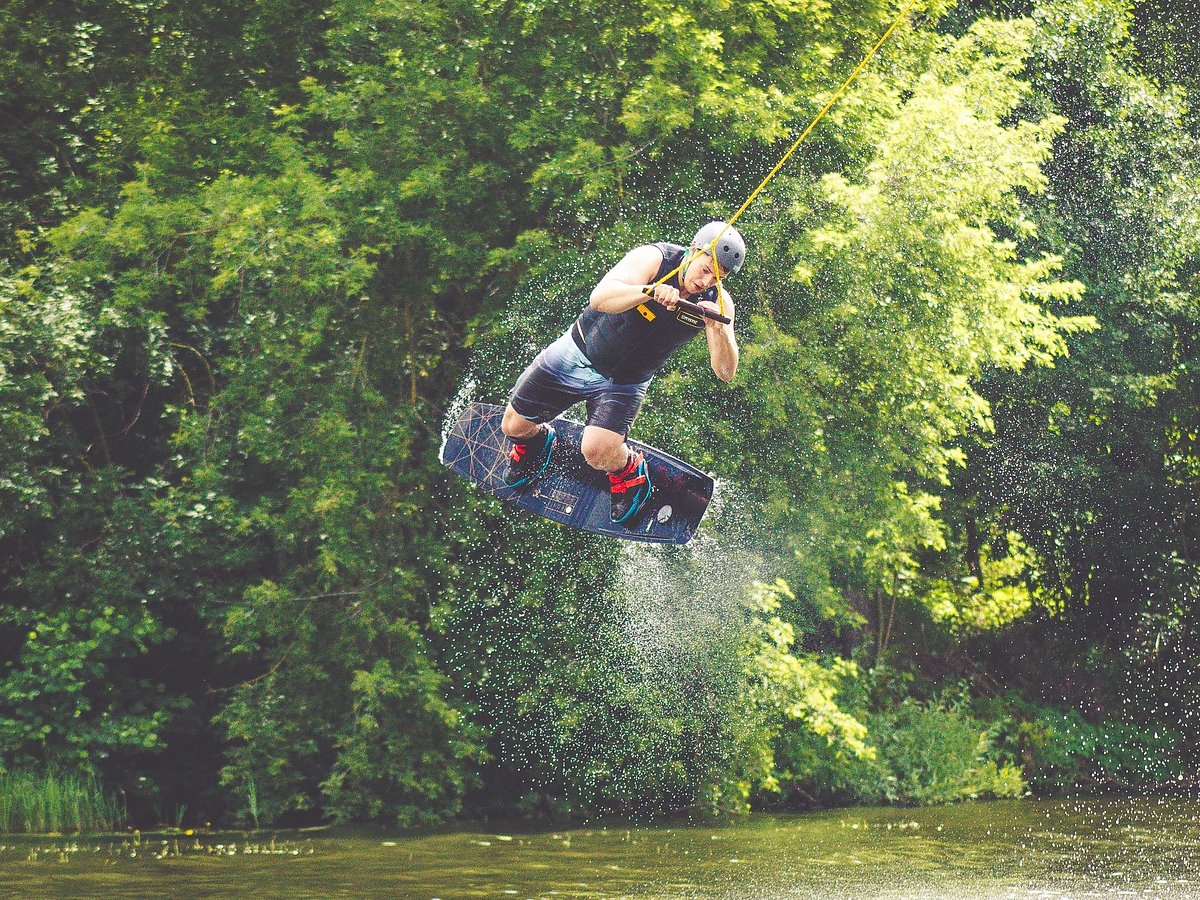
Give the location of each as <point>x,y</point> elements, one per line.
<point>666,248</point>
<point>650,251</point>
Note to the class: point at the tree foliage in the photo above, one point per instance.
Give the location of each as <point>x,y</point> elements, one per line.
<point>257,251</point>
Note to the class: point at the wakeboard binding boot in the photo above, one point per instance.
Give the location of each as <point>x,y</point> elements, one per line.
<point>629,488</point>
<point>528,459</point>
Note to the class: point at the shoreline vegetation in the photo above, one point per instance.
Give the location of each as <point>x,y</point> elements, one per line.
<point>57,803</point>
<point>62,805</point>
<point>513,824</point>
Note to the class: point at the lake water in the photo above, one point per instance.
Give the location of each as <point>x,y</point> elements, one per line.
<point>1108,847</point>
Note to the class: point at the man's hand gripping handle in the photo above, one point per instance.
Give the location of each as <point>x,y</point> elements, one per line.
<point>693,308</point>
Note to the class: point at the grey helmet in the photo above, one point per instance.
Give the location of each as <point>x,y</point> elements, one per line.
<point>731,248</point>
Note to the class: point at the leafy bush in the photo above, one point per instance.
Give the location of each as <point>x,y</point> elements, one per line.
<point>938,751</point>
<point>1060,750</point>
<point>939,754</point>
<point>810,774</point>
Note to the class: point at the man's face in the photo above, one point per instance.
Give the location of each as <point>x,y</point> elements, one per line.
<point>701,272</point>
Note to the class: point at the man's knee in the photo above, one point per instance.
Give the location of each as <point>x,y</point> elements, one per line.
<point>603,449</point>
<point>515,425</point>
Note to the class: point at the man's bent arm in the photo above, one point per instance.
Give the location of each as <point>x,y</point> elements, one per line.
<point>622,288</point>
<point>723,351</point>
<point>722,345</point>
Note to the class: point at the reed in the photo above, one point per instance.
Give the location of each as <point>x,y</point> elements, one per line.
<point>45,802</point>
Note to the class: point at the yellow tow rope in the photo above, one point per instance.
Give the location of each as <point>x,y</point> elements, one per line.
<point>712,249</point>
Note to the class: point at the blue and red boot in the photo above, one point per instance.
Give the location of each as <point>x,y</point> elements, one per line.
<point>629,488</point>
<point>529,458</point>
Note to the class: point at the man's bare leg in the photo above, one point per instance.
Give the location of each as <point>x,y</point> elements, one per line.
<point>603,449</point>
<point>516,426</point>
<point>607,451</point>
<point>529,454</point>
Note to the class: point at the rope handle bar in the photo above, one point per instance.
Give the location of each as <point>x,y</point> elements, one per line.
<point>694,308</point>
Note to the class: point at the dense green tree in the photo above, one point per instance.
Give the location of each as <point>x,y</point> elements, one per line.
<point>1074,521</point>
<point>1094,461</point>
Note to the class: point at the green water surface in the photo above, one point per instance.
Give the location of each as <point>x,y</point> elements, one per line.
<point>1065,848</point>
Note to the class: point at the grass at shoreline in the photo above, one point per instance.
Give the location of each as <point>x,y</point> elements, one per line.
<point>52,802</point>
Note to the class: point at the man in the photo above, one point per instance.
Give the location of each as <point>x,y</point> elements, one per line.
<point>630,328</point>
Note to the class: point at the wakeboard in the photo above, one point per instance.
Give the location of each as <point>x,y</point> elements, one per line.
<point>572,492</point>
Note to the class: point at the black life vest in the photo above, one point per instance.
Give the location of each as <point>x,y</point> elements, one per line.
<point>629,347</point>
